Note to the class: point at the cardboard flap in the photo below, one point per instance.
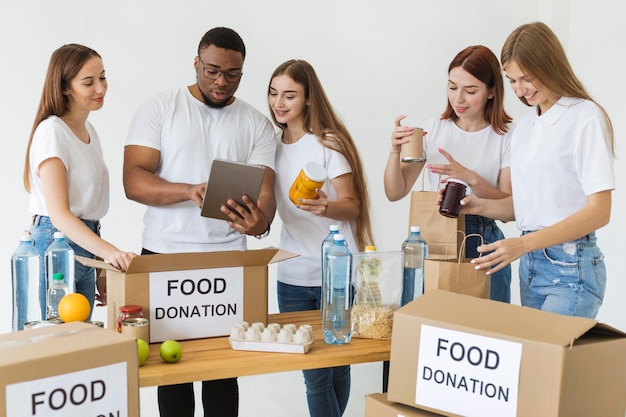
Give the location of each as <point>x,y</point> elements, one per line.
<point>605,329</point>
<point>281,255</point>
<point>499,318</point>
<point>94,263</point>
<point>196,260</point>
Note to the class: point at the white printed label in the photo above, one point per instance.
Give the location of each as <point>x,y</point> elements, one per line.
<point>98,391</point>
<point>467,374</point>
<point>195,304</point>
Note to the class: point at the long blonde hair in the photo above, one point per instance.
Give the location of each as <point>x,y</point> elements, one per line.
<point>537,51</point>
<point>320,120</point>
<point>64,64</point>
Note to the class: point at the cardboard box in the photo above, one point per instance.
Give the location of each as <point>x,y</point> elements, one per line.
<point>192,295</point>
<point>463,356</point>
<point>70,370</point>
<point>377,405</point>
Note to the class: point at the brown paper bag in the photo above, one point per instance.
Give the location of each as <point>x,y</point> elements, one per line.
<point>440,232</point>
<point>457,276</point>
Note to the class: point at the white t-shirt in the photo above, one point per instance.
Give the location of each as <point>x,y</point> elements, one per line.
<point>190,135</point>
<point>558,159</point>
<point>87,174</point>
<point>303,232</point>
<point>484,152</point>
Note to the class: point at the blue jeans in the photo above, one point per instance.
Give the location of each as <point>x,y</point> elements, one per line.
<point>487,228</point>
<point>327,389</point>
<point>568,279</point>
<point>42,233</point>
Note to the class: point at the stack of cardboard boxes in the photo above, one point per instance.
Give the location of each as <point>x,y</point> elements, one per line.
<point>79,369</point>
<point>456,355</point>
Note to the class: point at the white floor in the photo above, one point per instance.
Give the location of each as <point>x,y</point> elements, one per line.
<point>282,394</point>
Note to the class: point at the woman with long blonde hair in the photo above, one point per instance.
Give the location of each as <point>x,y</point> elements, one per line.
<point>310,131</point>
<point>562,178</point>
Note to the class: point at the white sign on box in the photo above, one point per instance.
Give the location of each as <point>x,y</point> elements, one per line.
<point>196,303</point>
<point>467,374</point>
<point>98,391</point>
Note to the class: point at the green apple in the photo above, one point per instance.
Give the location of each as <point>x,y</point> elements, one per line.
<point>143,350</point>
<point>171,351</point>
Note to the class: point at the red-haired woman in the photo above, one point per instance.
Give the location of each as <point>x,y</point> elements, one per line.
<point>469,142</point>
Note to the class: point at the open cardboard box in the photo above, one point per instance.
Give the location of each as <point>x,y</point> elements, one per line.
<point>459,355</point>
<point>192,295</point>
<point>71,369</point>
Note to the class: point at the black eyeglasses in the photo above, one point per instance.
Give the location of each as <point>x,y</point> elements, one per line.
<point>213,74</point>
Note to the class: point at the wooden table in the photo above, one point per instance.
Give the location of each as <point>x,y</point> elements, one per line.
<point>213,358</point>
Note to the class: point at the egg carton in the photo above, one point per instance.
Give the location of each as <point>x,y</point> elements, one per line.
<point>272,338</point>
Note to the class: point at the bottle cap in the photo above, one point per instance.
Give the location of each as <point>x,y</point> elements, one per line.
<point>370,248</point>
<point>333,227</point>
<point>59,235</point>
<point>415,229</point>
<point>58,276</point>
<point>338,236</point>
<point>25,238</point>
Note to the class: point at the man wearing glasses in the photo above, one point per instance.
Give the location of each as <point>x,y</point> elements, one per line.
<point>171,143</point>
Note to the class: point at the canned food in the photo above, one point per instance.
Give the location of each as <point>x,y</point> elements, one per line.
<point>96,323</point>
<point>39,323</point>
<point>137,327</point>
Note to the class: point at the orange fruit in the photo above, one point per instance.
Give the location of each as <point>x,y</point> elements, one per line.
<point>74,307</point>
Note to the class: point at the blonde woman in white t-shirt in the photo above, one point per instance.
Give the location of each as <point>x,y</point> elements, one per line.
<point>64,170</point>
<point>562,177</point>
<point>310,131</point>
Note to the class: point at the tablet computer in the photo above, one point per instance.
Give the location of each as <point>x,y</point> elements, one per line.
<point>230,180</point>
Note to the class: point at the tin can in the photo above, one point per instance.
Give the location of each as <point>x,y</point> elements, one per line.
<point>128,311</point>
<point>96,323</point>
<point>413,150</point>
<point>309,179</point>
<point>452,195</point>
<point>137,327</point>
<point>38,323</point>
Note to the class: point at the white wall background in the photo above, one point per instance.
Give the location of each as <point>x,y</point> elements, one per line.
<point>376,60</point>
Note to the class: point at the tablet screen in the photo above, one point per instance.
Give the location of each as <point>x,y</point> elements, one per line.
<point>230,180</point>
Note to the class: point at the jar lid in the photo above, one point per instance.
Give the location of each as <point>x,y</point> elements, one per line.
<point>131,308</point>
<point>315,171</point>
<point>457,181</point>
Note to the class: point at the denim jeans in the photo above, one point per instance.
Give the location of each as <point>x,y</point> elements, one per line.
<point>42,233</point>
<point>327,389</point>
<point>568,279</point>
<point>487,228</point>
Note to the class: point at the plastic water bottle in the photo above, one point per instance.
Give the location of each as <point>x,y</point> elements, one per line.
<point>58,289</point>
<point>415,251</point>
<point>60,259</point>
<point>327,243</point>
<point>336,293</point>
<point>28,305</point>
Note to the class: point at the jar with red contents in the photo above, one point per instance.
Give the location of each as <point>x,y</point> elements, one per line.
<point>129,311</point>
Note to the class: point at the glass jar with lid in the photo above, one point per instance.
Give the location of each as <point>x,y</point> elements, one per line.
<point>129,311</point>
